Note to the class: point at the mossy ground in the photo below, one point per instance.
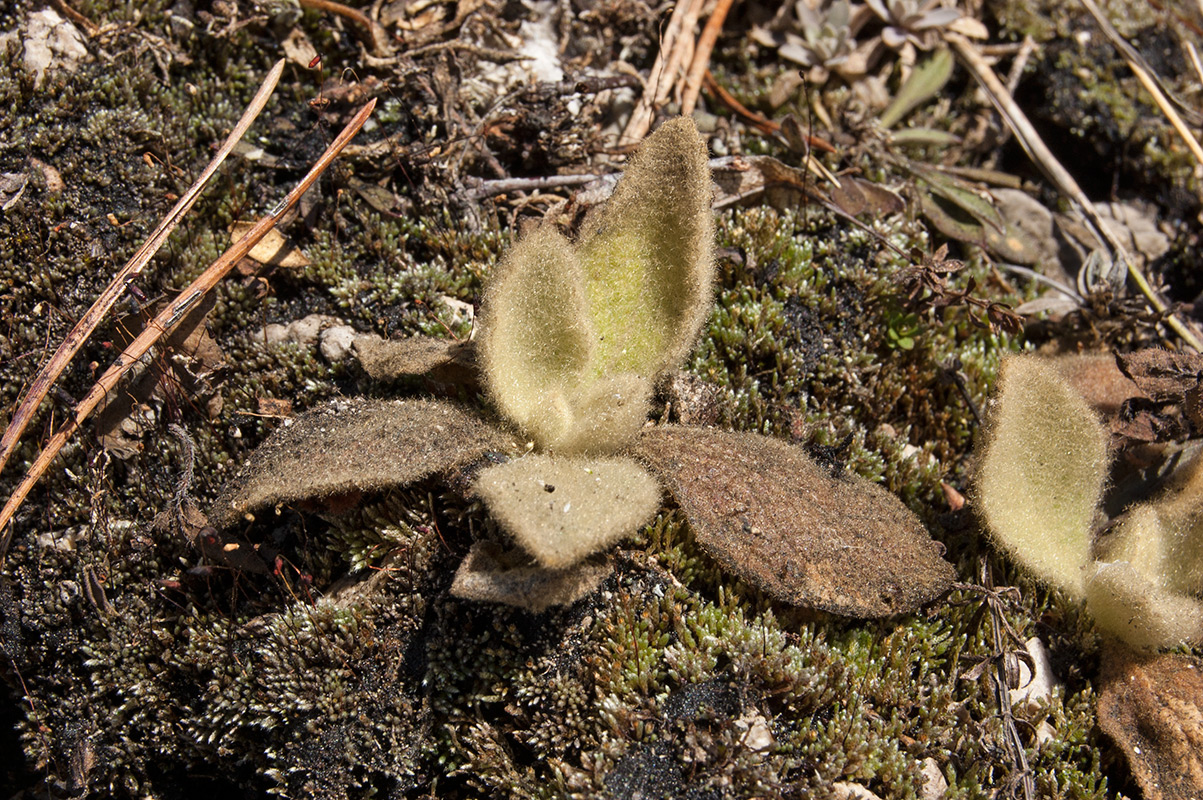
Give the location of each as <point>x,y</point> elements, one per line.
<point>136,669</point>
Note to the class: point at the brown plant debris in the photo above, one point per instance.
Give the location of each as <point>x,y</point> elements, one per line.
<point>1161,374</point>
<point>443,361</point>
<point>188,372</point>
<point>771,515</point>
<point>1153,708</point>
<point>353,446</point>
<point>490,574</point>
<point>561,509</point>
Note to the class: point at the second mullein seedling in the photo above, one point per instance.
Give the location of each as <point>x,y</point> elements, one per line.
<point>1040,486</point>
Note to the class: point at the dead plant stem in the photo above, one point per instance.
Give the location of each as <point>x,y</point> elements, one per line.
<point>1144,74</point>
<point>701,56</point>
<point>376,36</point>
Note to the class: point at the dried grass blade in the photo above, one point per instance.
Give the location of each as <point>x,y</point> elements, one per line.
<point>678,37</point>
<point>167,320</point>
<point>1144,73</point>
<point>1027,136</point>
<point>88,322</point>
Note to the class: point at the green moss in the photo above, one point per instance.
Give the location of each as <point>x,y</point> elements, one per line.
<point>346,669</point>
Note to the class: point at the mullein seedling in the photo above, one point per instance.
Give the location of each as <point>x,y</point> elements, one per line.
<point>572,339</point>
<point>1041,482</point>
<point>574,334</point>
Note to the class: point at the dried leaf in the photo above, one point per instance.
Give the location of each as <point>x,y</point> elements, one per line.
<point>352,446</point>
<point>490,575</point>
<point>1162,375</point>
<point>561,509</point>
<point>857,196</point>
<point>12,186</point>
<point>746,178</point>
<point>274,249</point>
<point>444,361</point>
<point>1153,709</point>
<point>1096,377</point>
<point>378,197</point>
<point>1141,420</point>
<point>775,518</point>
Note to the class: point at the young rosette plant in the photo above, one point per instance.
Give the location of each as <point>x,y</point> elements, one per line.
<point>1041,483</point>
<point>572,339</point>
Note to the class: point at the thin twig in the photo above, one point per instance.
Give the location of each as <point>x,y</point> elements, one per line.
<point>759,122</point>
<point>1140,66</point>
<point>90,27</point>
<point>1194,60</point>
<point>481,188</point>
<point>100,309</point>
<point>701,56</point>
<point>166,321</point>
<point>376,36</point>
<point>1027,136</point>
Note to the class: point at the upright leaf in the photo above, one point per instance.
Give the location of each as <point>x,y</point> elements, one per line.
<point>1042,472</point>
<point>649,255</point>
<point>535,336</point>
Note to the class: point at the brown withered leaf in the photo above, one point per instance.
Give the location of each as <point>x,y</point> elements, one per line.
<point>858,196</point>
<point>1161,374</point>
<point>772,516</point>
<point>746,178</point>
<point>1098,379</point>
<point>443,362</point>
<point>348,447</point>
<point>1152,706</point>
<point>489,574</point>
<point>1142,420</point>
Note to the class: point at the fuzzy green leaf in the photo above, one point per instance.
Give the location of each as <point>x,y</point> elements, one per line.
<point>535,337</point>
<point>561,509</point>
<point>1042,473</point>
<point>1138,610</point>
<point>649,255</point>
